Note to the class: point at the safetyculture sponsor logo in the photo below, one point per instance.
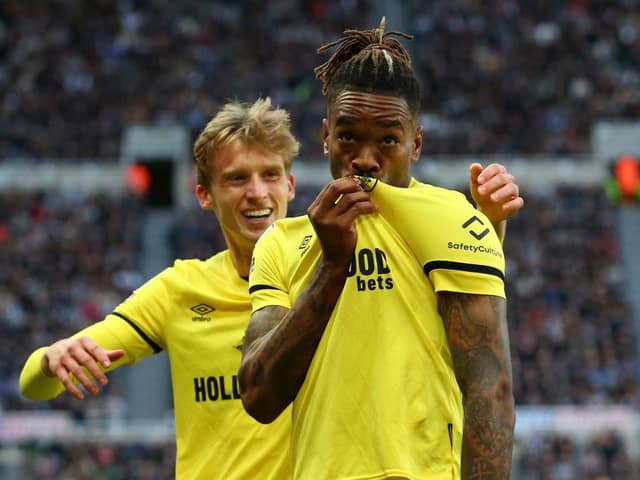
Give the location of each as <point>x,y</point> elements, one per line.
<point>478,235</point>
<point>474,248</point>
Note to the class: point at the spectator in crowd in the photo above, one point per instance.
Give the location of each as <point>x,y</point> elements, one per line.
<point>524,77</point>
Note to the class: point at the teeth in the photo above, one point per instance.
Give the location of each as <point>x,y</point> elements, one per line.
<point>258,213</point>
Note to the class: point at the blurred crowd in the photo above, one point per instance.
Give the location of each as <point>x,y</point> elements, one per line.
<point>95,461</point>
<point>66,260</point>
<point>600,456</point>
<point>524,77</point>
<point>81,71</point>
<point>498,76</point>
<point>572,334</point>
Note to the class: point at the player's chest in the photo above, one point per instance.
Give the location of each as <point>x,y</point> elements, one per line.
<point>380,264</point>
<point>206,324</point>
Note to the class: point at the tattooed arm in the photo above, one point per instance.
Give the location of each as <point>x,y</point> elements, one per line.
<point>477,332</point>
<point>280,344</point>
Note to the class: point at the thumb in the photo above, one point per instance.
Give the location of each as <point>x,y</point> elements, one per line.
<point>474,171</point>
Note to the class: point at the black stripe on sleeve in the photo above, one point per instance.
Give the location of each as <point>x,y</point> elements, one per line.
<point>465,267</point>
<point>156,348</point>
<point>255,288</point>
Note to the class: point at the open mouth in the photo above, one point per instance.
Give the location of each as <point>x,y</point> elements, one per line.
<point>263,213</point>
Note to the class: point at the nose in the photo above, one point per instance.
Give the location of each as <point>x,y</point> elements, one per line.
<point>256,188</point>
<point>366,161</point>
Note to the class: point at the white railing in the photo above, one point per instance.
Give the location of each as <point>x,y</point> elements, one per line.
<point>539,172</point>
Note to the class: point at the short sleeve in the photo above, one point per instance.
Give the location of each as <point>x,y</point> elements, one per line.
<point>147,308</point>
<point>267,284</point>
<point>467,255</point>
<point>455,244</point>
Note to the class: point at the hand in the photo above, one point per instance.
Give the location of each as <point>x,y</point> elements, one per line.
<point>333,214</point>
<point>495,191</point>
<point>68,356</point>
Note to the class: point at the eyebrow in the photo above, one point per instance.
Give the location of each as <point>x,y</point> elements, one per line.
<point>349,121</point>
<point>344,121</point>
<point>241,170</point>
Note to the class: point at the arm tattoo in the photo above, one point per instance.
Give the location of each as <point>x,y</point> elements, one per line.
<point>262,322</point>
<point>280,345</point>
<point>478,339</point>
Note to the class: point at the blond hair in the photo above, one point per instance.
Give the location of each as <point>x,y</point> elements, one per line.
<point>256,124</point>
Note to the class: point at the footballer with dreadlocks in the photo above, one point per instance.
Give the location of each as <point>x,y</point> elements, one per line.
<point>397,364</point>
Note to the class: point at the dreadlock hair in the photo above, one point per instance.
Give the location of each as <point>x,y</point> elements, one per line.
<point>257,124</point>
<point>370,61</point>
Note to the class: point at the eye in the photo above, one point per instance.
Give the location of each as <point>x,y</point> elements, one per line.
<point>236,179</point>
<point>390,140</point>
<point>345,137</point>
<point>272,174</point>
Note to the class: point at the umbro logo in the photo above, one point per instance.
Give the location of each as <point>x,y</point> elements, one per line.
<point>304,245</point>
<point>202,309</point>
<point>475,234</point>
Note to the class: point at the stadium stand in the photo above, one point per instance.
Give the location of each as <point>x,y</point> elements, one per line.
<point>524,77</point>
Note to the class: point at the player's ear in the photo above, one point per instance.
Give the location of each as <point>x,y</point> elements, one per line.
<point>325,130</point>
<point>417,144</point>
<point>291,184</point>
<point>205,199</point>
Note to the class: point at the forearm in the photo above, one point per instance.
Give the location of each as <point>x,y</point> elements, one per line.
<point>478,338</point>
<point>275,364</point>
<point>488,434</point>
<point>501,229</point>
<point>34,384</point>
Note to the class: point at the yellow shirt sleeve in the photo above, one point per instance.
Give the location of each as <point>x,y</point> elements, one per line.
<point>455,244</point>
<point>111,333</point>
<point>267,285</point>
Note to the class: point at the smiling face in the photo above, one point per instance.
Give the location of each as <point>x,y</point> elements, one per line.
<point>249,190</point>
<point>371,134</point>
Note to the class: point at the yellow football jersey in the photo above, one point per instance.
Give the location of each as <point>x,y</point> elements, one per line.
<point>380,399</point>
<point>198,312</point>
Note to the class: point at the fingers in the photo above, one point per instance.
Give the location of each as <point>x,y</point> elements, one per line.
<point>62,373</point>
<point>500,192</point>
<point>343,196</point>
<point>114,355</point>
<point>83,359</point>
<point>488,173</point>
<point>333,214</point>
<point>513,205</point>
<point>355,203</point>
<point>496,179</point>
